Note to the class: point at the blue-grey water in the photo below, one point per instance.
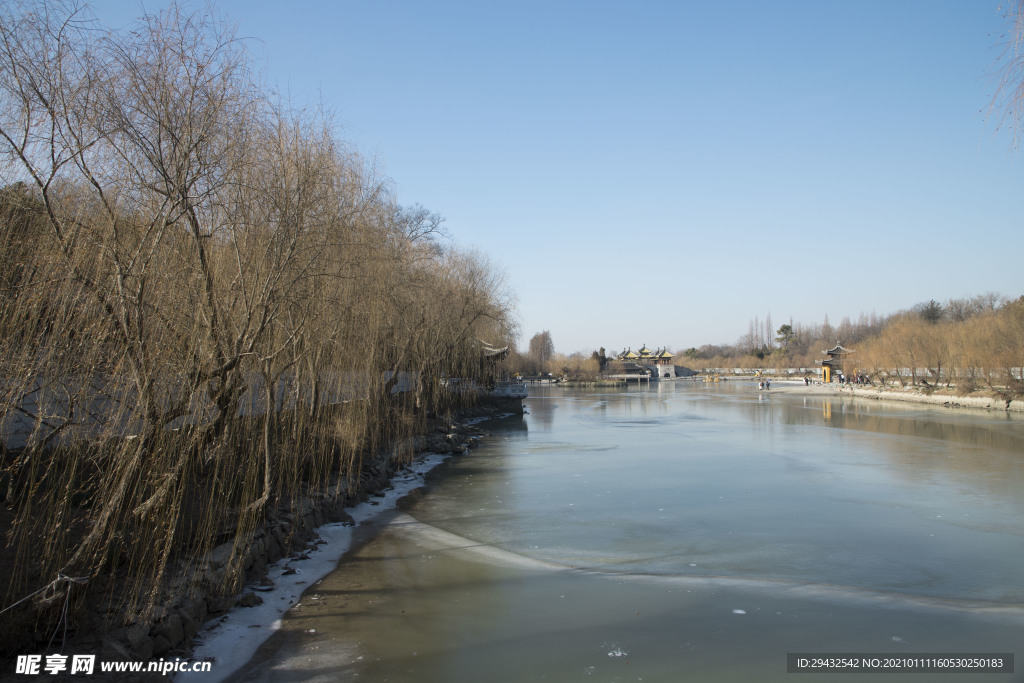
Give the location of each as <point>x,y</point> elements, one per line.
<point>683,531</point>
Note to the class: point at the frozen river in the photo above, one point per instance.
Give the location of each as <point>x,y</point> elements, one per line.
<point>682,531</point>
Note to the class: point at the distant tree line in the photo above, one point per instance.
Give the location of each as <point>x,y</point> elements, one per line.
<point>207,299</point>
<point>973,343</point>
<point>969,344</point>
<point>793,344</point>
<point>541,358</point>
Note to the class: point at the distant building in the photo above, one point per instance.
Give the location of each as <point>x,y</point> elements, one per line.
<point>657,363</point>
<point>835,363</point>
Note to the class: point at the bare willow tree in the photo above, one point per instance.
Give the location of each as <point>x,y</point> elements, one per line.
<point>983,351</point>
<point>1007,104</point>
<point>209,306</point>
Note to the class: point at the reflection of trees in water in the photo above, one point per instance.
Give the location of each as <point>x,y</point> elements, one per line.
<point>541,411</point>
<point>626,403</point>
<point>513,423</point>
<point>987,448</point>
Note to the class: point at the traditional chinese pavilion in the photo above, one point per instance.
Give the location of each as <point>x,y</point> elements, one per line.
<point>658,362</point>
<point>835,362</point>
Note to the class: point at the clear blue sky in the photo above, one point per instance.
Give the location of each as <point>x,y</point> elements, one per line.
<point>662,172</point>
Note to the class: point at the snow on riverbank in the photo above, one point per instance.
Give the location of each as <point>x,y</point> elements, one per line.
<point>895,394</point>
<point>982,402</point>
<point>230,641</point>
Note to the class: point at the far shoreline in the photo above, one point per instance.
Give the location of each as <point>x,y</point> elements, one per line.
<point>908,395</point>
<point>872,392</point>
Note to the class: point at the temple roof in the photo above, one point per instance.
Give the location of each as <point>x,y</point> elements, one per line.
<point>493,352</point>
<point>644,354</point>
<point>838,350</point>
